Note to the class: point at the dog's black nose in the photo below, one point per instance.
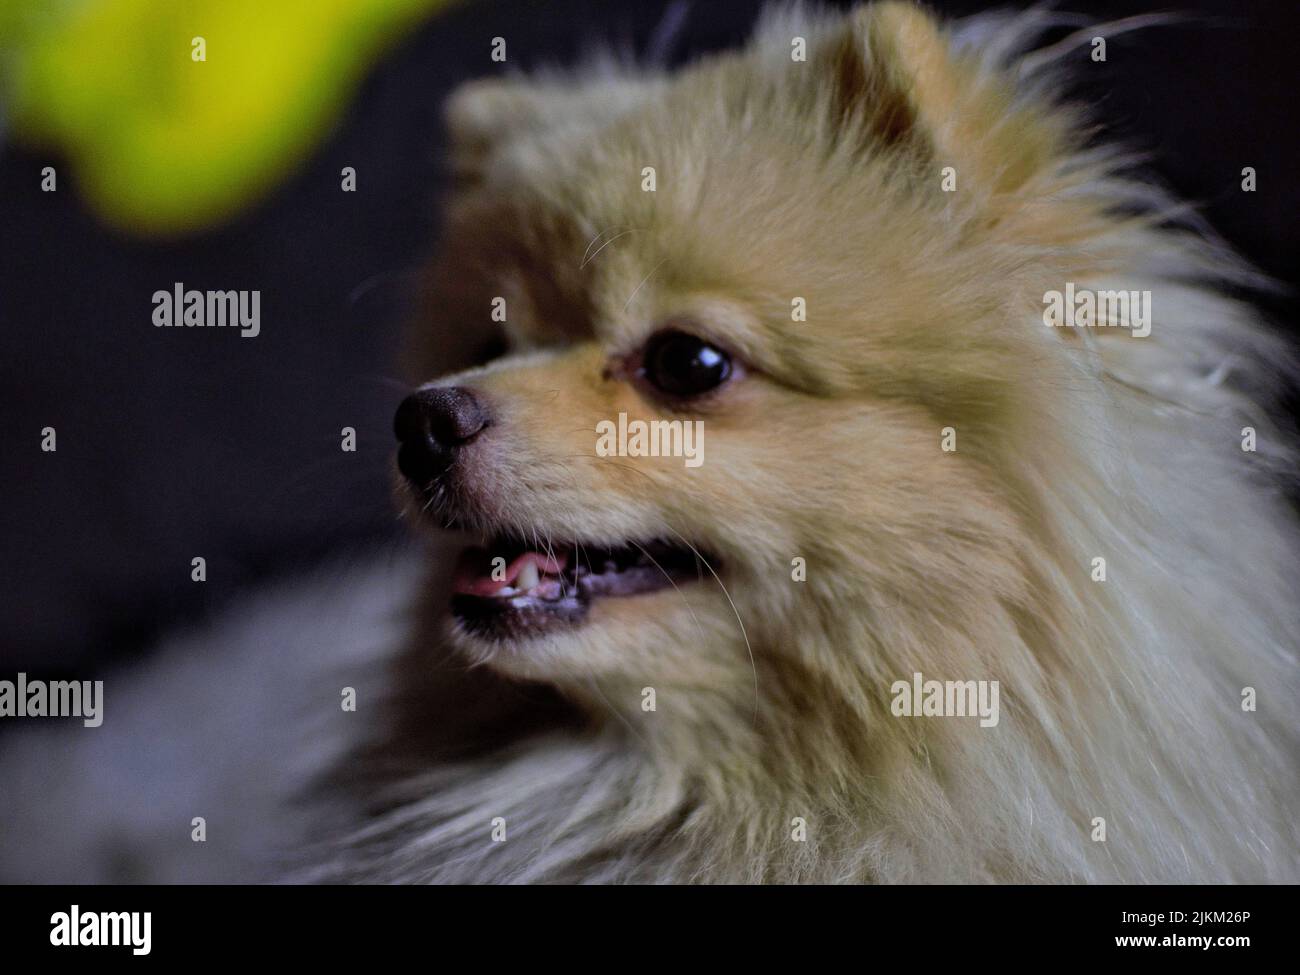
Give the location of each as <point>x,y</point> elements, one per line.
<point>430,424</point>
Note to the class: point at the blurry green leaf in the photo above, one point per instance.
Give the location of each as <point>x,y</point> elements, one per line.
<point>161,142</point>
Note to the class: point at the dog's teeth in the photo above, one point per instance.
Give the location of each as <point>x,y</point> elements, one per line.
<point>528,577</point>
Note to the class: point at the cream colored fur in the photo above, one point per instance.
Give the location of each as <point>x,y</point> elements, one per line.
<point>821,179</point>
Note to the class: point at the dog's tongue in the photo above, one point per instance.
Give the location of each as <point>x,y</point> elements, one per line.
<point>473,575</point>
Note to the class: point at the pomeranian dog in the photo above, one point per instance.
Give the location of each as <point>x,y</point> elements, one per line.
<point>838,277</point>
<point>879,487</point>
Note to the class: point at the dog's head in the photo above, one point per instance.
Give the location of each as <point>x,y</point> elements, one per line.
<point>803,271</point>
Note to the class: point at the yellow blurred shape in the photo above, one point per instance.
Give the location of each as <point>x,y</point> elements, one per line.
<point>161,142</point>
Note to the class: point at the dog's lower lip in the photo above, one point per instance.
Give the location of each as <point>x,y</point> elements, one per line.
<point>507,589</point>
<point>518,616</point>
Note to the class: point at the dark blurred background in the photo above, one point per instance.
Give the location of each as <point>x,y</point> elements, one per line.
<point>173,444</point>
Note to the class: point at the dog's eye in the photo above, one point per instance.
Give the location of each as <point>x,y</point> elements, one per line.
<point>682,365</point>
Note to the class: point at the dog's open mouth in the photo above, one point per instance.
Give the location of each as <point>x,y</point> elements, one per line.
<point>510,588</point>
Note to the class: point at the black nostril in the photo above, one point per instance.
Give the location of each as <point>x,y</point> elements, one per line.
<point>430,424</point>
<point>408,422</point>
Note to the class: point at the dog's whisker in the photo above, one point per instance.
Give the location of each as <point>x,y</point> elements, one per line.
<point>587,258</point>
<point>752,664</point>
<point>643,283</point>
<point>381,277</point>
<point>676,587</point>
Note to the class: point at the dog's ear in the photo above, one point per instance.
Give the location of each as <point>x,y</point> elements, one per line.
<point>486,115</point>
<point>892,70</point>
<point>482,114</point>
